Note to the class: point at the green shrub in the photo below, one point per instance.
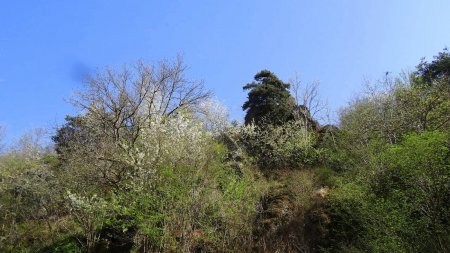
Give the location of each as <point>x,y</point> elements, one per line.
<point>325,176</point>
<point>398,205</point>
<point>289,145</point>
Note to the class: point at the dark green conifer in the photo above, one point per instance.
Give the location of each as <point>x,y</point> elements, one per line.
<point>269,101</point>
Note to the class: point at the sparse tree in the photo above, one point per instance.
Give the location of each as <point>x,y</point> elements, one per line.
<point>307,95</point>
<point>308,103</point>
<point>32,145</point>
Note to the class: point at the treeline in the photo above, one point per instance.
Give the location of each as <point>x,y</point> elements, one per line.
<point>152,164</point>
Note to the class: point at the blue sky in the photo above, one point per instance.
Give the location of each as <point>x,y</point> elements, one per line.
<point>46,46</point>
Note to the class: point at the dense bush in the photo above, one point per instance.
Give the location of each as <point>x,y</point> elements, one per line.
<point>289,145</point>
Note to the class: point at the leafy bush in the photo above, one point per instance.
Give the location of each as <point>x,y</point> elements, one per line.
<point>277,147</point>
<point>402,206</point>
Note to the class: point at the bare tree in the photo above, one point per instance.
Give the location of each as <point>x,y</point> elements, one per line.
<point>308,95</point>
<point>295,83</point>
<point>310,106</point>
<point>125,101</point>
<point>120,104</point>
<point>32,144</point>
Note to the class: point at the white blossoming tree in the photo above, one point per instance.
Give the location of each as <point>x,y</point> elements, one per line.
<point>147,143</point>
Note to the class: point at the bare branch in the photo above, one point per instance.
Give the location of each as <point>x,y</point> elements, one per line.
<point>308,95</point>
<point>125,101</point>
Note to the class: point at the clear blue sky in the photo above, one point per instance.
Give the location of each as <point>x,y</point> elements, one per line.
<point>45,45</point>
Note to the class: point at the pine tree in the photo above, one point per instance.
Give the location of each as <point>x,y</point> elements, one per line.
<point>269,101</point>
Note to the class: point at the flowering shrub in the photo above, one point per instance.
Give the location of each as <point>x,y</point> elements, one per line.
<point>89,213</point>
<point>286,146</point>
<point>178,192</point>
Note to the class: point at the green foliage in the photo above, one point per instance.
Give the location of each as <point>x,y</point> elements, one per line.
<point>66,245</point>
<point>402,206</point>
<point>325,176</point>
<point>439,68</point>
<point>74,130</point>
<point>269,100</point>
<point>136,173</point>
<point>393,194</point>
<point>369,125</point>
<point>29,198</point>
<point>185,202</point>
<point>417,173</point>
<point>289,145</point>
<point>175,193</point>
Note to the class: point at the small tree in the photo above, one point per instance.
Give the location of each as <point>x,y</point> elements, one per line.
<point>89,213</point>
